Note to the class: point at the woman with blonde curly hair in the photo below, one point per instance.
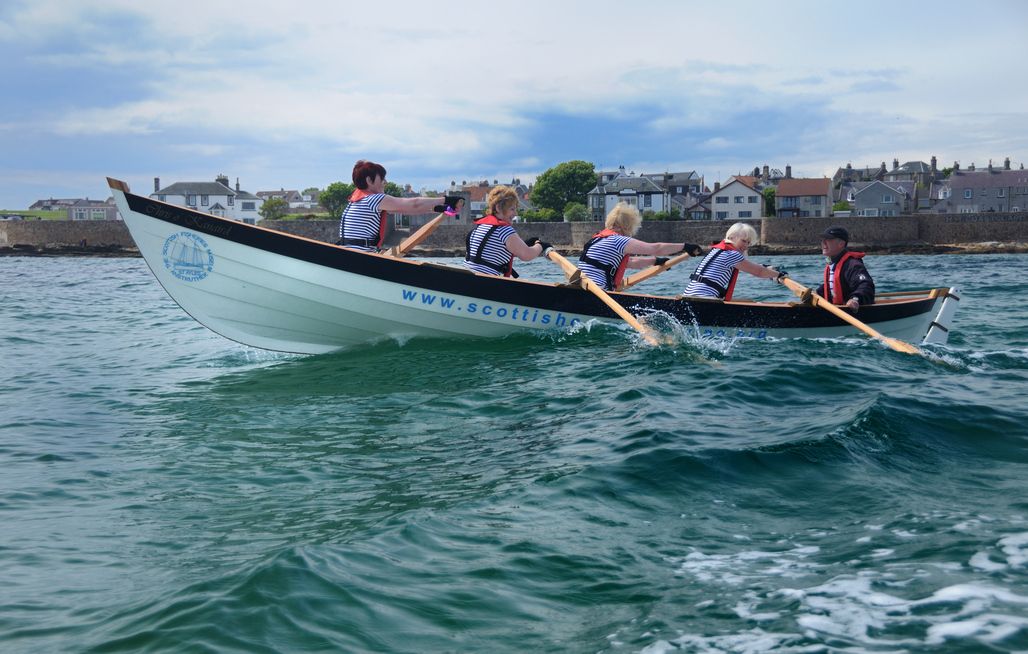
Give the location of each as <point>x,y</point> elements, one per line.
<point>493,243</point>
<point>716,275</point>
<point>609,252</point>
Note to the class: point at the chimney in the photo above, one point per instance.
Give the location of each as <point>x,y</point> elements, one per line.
<point>788,172</point>
<point>971,167</point>
<point>883,168</point>
<point>756,171</point>
<point>717,186</point>
<point>222,179</point>
<point>156,184</point>
<point>766,172</point>
<point>956,165</point>
<point>237,184</point>
<point>1006,164</point>
<point>990,165</point>
<point>895,164</point>
<point>934,167</point>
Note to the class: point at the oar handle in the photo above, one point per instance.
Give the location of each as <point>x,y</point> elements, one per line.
<point>417,237</point>
<point>802,291</point>
<point>589,285</point>
<point>653,270</point>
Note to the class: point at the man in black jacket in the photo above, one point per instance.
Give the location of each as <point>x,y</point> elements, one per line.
<point>846,279</point>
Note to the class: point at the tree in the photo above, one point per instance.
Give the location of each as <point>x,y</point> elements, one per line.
<point>769,201</point>
<point>334,198</point>
<point>394,190</point>
<point>841,205</point>
<point>311,190</point>
<point>540,215</point>
<point>565,182</point>
<point>576,212</point>
<point>273,209</point>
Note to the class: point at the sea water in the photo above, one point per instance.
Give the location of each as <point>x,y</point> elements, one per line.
<point>163,489</point>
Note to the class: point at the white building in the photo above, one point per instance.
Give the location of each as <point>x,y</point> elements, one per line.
<point>215,198</point>
<point>737,200</point>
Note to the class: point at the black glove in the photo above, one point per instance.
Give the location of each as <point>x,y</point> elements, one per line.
<point>546,246</point>
<point>693,249</point>
<point>659,261</point>
<point>781,274</point>
<point>454,202</point>
<point>531,240</point>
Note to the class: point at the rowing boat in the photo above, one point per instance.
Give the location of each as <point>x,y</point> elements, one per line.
<point>277,291</point>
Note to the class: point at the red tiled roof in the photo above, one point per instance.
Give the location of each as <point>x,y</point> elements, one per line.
<point>802,187</point>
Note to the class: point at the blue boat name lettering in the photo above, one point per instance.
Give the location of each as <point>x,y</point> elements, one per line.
<point>760,334</point>
<point>515,314</point>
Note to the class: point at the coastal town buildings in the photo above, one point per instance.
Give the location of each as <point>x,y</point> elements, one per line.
<point>879,198</point>
<point>216,198</point>
<point>739,199</point>
<point>987,190</point>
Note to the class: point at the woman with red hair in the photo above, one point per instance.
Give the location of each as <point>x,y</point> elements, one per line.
<point>363,223</point>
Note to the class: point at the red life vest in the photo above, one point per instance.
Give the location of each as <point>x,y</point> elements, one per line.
<point>383,216</point>
<point>614,275</point>
<point>494,222</point>
<point>725,245</point>
<point>837,297</point>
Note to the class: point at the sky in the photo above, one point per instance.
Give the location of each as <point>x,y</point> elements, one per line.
<point>291,94</point>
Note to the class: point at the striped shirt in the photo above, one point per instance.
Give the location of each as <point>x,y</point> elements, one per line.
<point>495,250</point>
<point>609,250</point>
<point>360,220</point>
<point>718,267</point>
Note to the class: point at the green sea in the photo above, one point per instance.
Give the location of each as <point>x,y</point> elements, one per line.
<point>163,489</point>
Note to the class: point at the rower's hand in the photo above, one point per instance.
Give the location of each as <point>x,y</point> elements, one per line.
<point>693,249</point>
<point>781,275</point>
<point>546,246</point>
<point>531,240</point>
<point>659,261</point>
<point>853,304</point>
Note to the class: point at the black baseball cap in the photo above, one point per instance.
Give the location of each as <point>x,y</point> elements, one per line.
<point>836,232</point>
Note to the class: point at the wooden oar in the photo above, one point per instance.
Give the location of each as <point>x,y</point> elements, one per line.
<point>409,243</point>
<point>802,291</point>
<point>643,275</point>
<point>571,270</point>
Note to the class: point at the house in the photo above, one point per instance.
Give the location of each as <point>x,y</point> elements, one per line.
<point>677,184</point>
<point>87,209</point>
<point>739,199</point>
<point>52,204</point>
<point>803,196</point>
<point>641,192</point>
<point>992,189</point>
<point>880,198</point>
<point>295,199</point>
<point>215,198</point>
<point>913,171</point>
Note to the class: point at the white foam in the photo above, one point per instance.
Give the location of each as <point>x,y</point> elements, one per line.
<point>982,561</point>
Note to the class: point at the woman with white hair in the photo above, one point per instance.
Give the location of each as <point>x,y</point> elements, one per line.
<point>609,252</point>
<point>716,275</point>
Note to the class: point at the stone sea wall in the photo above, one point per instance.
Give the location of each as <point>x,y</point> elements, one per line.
<point>912,232</point>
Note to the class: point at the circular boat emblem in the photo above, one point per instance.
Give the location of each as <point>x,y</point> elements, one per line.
<point>187,256</point>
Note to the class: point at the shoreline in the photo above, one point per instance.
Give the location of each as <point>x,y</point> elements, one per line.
<point>117,251</point>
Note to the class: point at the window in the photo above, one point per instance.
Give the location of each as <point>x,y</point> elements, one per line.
<point>723,199</point>
<point>248,206</point>
<point>231,200</point>
<point>722,215</point>
<point>99,214</point>
<point>190,200</point>
<point>788,203</point>
<point>968,193</point>
<point>203,200</point>
<point>887,199</point>
<point>647,200</point>
<point>678,190</point>
<point>162,198</point>
<point>1001,193</point>
<point>752,199</point>
<point>745,214</point>
<point>249,221</point>
<point>816,199</point>
<point>81,214</point>
<point>739,199</point>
